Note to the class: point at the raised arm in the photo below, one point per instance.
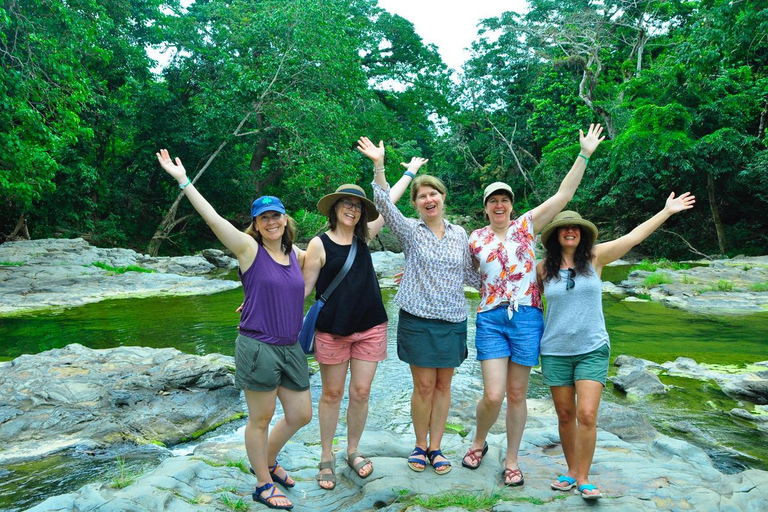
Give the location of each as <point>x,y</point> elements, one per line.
<point>611,251</point>
<point>235,240</point>
<point>546,211</point>
<point>376,154</point>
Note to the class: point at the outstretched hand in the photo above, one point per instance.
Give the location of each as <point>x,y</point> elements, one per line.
<point>677,204</point>
<point>591,140</point>
<point>176,170</point>
<point>375,153</point>
<point>415,164</point>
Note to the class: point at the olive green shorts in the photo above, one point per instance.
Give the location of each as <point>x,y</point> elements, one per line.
<point>566,370</point>
<point>260,366</point>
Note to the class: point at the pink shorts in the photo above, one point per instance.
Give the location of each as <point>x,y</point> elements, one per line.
<point>370,345</point>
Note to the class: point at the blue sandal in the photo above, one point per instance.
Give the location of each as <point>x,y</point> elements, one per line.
<point>282,481</point>
<point>564,483</point>
<point>441,467</point>
<point>413,460</point>
<point>589,487</point>
<point>273,495</point>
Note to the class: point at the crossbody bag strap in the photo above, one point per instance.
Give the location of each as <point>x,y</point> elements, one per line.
<point>342,273</point>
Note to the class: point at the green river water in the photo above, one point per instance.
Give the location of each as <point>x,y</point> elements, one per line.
<point>694,410</point>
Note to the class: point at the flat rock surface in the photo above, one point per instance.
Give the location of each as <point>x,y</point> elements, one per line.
<point>721,287</point>
<point>80,397</point>
<point>37,274</point>
<point>654,474</point>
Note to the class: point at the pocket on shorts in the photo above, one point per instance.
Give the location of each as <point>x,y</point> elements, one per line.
<point>246,353</point>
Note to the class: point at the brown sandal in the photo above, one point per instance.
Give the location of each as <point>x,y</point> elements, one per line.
<point>327,477</point>
<point>509,473</point>
<point>476,456</point>
<point>357,467</point>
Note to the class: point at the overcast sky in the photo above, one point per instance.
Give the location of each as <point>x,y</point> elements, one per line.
<point>451,28</point>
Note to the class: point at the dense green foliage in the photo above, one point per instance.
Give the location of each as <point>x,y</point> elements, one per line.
<point>269,96</point>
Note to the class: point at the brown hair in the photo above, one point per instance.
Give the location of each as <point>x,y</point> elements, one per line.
<point>425,180</point>
<point>361,228</point>
<point>289,235</point>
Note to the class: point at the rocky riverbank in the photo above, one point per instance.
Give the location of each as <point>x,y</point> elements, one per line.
<point>734,286</point>
<point>38,274</point>
<point>651,472</point>
<point>92,399</point>
<point>78,396</point>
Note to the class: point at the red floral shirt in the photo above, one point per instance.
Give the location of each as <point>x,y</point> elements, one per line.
<point>507,267</point>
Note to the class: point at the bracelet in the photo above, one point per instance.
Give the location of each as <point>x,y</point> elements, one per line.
<point>189,182</point>
<point>409,173</point>
<point>378,169</point>
<point>586,160</point>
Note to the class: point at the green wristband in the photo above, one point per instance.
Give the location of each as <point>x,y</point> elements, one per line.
<point>586,160</point>
<point>189,182</point>
<point>409,173</point>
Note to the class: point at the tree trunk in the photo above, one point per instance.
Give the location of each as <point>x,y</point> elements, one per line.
<point>20,231</point>
<point>716,214</point>
<point>169,221</point>
<point>763,122</point>
<point>586,88</point>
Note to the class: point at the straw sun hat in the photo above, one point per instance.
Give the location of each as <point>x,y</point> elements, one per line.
<point>567,218</point>
<point>347,190</point>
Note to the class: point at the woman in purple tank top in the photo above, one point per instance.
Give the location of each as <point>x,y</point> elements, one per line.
<point>269,363</point>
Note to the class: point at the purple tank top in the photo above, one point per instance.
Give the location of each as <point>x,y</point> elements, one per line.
<point>274,300</point>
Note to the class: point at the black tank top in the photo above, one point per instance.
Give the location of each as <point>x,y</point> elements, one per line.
<point>356,304</point>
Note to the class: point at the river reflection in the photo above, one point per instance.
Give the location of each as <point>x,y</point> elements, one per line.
<point>694,410</point>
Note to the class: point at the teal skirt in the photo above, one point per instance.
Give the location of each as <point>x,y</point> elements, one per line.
<point>430,343</point>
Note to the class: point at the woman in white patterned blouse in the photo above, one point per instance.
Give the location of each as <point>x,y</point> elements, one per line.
<point>432,326</point>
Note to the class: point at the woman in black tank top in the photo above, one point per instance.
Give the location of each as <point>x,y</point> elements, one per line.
<point>351,327</point>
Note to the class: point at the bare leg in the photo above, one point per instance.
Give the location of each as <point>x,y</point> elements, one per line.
<point>297,406</point>
<point>565,406</point>
<point>333,377</point>
<point>424,380</point>
<point>587,403</point>
<point>517,414</point>
<point>487,412</point>
<point>261,407</point>
<point>357,411</point>
<point>441,404</point>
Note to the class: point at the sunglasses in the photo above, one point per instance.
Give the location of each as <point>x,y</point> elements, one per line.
<point>570,283</point>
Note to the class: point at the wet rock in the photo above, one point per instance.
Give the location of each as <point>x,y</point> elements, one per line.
<point>635,379</point>
<point>721,287</point>
<point>65,273</point>
<point>638,383</point>
<point>751,386</point>
<point>79,397</point>
<point>219,258</point>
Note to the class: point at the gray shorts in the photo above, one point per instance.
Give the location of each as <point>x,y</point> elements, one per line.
<point>260,366</point>
<point>430,343</point>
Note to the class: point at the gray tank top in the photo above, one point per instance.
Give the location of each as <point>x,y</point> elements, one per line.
<point>574,323</point>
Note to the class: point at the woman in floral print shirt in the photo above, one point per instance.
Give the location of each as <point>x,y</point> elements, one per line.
<point>510,320</point>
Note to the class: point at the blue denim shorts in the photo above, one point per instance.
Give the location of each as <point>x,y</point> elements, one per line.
<point>517,338</point>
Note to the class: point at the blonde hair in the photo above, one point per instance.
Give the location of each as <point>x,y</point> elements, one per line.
<point>425,180</point>
<point>289,235</point>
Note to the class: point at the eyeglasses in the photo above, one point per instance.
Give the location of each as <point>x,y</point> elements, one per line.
<point>349,205</point>
<point>571,274</point>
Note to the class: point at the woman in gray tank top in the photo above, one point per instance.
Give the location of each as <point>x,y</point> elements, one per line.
<point>575,346</point>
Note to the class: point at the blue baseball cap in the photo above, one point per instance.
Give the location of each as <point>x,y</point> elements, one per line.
<point>266,204</point>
